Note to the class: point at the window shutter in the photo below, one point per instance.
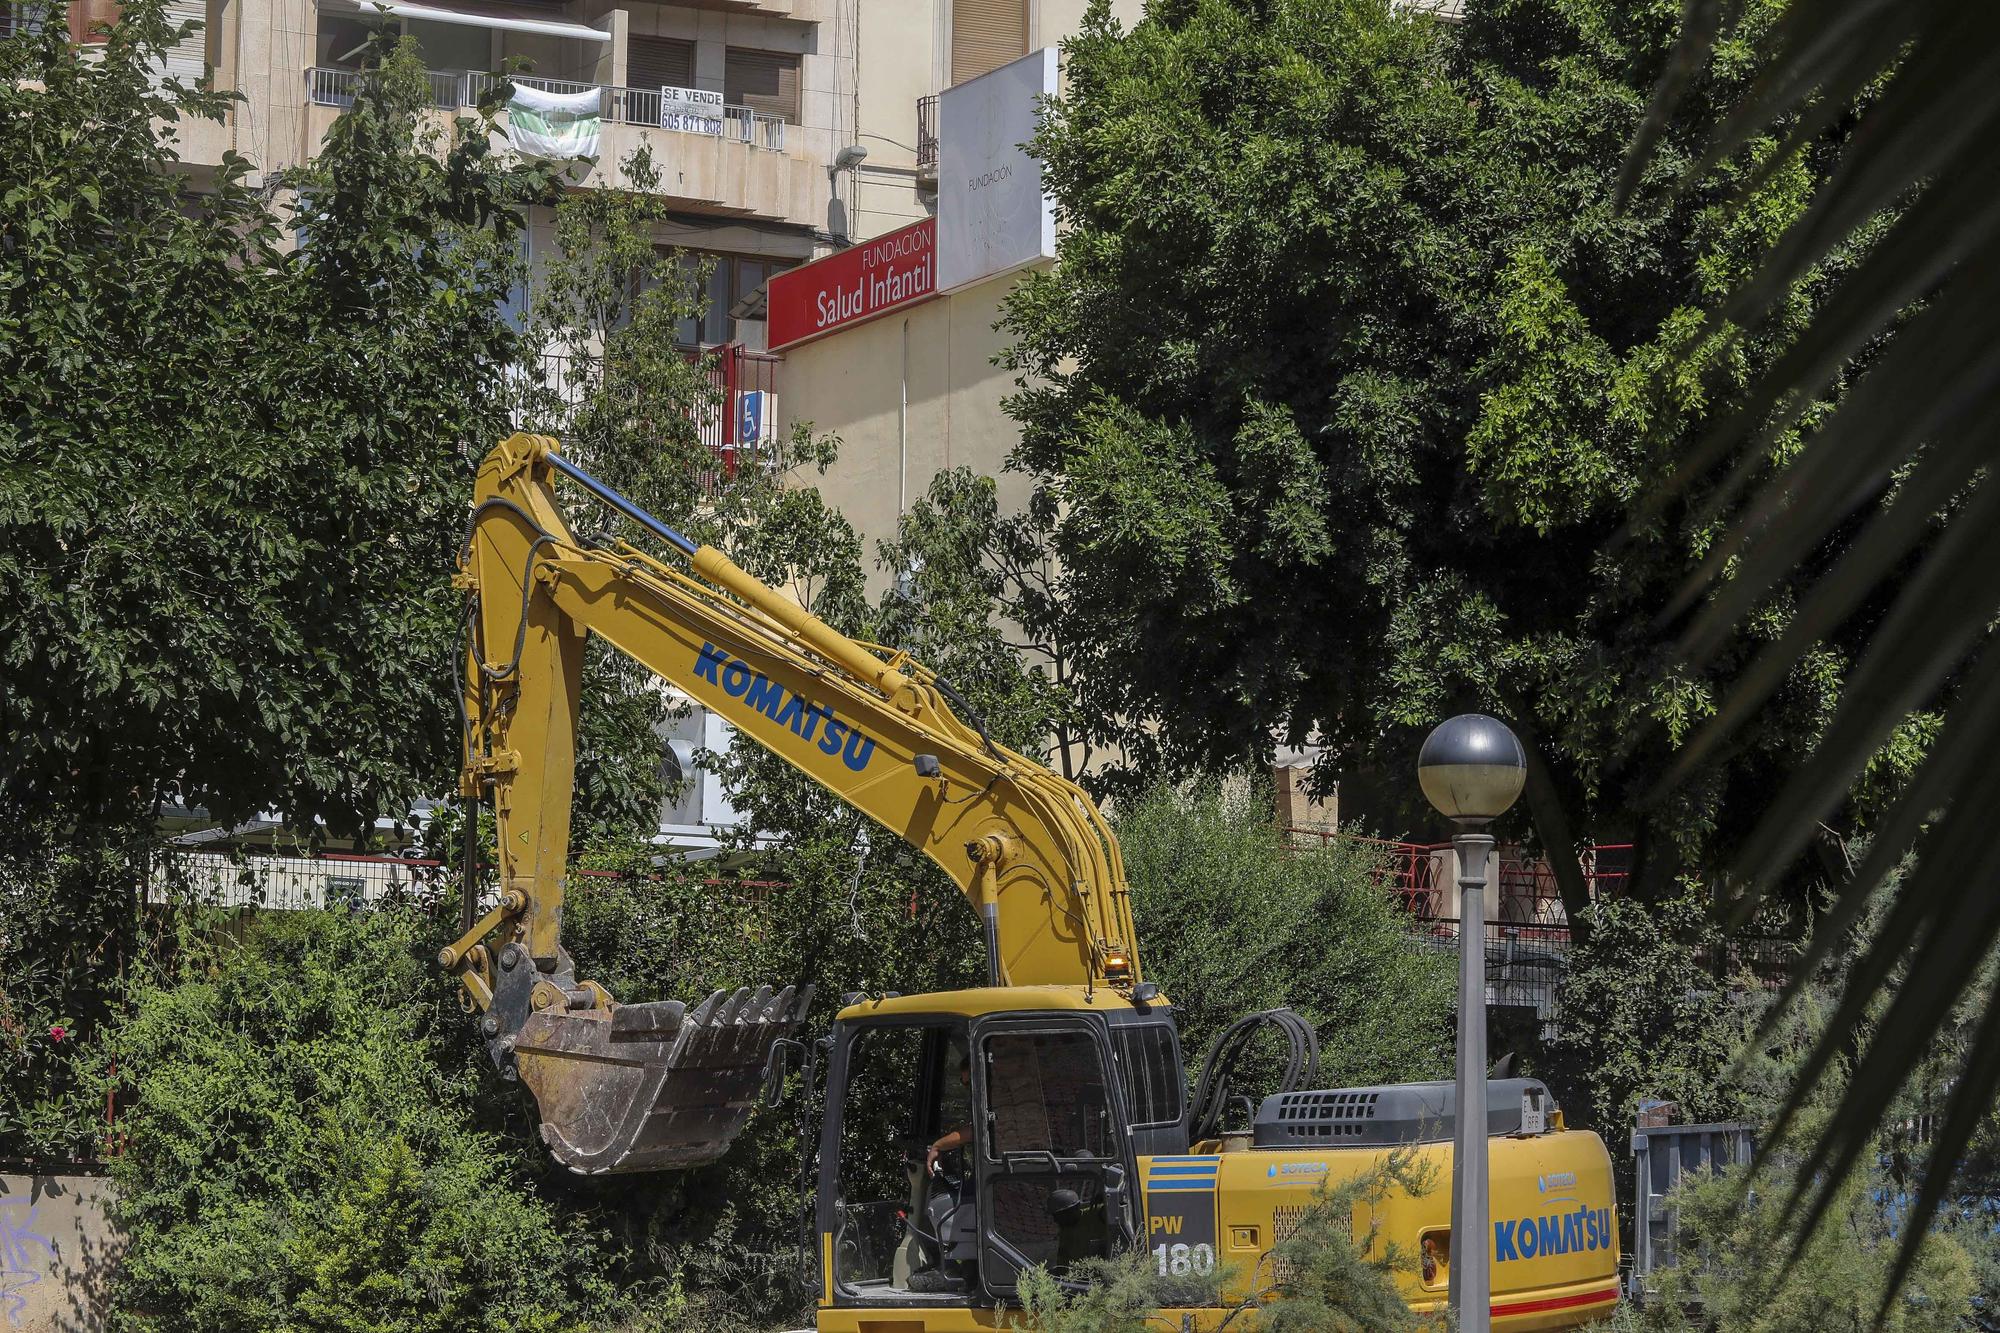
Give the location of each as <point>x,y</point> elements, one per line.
<point>765,81</point>
<point>658,62</point>
<point>986,34</point>
<point>187,59</point>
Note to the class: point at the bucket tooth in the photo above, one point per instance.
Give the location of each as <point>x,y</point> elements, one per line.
<point>654,1086</point>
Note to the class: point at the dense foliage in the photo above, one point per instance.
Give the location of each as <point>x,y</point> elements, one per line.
<point>231,480</point>
<point>305,1151</point>
<point>1233,919</point>
<point>1897,482</point>
<point>1345,384</point>
<point>1652,1010</point>
<point>1751,1258</point>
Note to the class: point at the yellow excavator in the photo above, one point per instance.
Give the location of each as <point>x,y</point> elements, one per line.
<point>1041,1119</point>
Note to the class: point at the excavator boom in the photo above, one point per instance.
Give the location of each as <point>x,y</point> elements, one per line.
<point>643,1086</point>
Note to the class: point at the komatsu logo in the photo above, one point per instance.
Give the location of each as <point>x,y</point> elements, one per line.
<point>1565,1233</point>
<point>803,716</point>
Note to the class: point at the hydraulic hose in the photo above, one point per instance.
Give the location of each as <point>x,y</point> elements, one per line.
<point>1221,1067</point>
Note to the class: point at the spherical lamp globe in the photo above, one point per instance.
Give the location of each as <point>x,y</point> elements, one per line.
<point>1472,768</point>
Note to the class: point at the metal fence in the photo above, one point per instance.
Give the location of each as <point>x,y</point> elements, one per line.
<point>1663,1156</point>
<point>273,879</point>
<point>261,877</point>
<point>452,90</point>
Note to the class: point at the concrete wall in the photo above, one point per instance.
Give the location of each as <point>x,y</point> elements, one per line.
<point>853,384</point>
<point>57,1253</point>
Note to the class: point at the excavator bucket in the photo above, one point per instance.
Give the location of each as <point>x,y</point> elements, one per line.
<point>650,1087</point>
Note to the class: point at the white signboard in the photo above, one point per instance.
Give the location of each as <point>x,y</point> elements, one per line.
<point>992,216</point>
<point>691,110</point>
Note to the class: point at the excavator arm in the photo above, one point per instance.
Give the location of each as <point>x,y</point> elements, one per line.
<point>641,1086</point>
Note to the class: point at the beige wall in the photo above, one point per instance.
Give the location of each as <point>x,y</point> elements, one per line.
<point>853,383</point>
<point>57,1253</point>
<point>940,353</point>
<point>902,56</point>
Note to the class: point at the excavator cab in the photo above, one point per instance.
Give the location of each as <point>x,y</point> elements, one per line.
<point>1058,1097</point>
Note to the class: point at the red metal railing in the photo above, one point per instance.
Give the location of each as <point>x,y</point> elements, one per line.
<point>1419,874</point>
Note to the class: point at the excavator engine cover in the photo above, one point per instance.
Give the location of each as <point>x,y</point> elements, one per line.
<point>648,1087</point>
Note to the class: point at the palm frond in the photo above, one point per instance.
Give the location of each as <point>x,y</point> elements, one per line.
<point>1906,452</point>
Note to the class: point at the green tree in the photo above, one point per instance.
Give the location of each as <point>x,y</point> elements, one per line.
<point>1232,919</point>
<point>1347,378</point>
<point>1644,1016</point>
<point>231,481</point>
<point>1896,481</point>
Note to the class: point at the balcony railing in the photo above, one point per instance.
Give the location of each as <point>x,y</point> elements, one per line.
<point>454,89</point>
<point>927,140</point>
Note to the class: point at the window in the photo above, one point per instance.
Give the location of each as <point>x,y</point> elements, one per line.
<point>1151,1060</point>
<point>658,62</point>
<point>342,41</point>
<point>904,1088</point>
<point>1051,1135</point>
<point>733,278</point>
<point>986,34</point>
<point>765,81</point>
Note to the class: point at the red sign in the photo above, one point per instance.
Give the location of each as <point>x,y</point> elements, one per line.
<point>851,286</point>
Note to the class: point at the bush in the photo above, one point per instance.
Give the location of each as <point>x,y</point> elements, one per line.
<point>1339,1275</point>
<point>303,1150</point>
<point>1644,1016</point>
<point>1234,918</point>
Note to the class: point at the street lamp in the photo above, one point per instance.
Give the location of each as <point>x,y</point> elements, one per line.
<point>1471,768</point>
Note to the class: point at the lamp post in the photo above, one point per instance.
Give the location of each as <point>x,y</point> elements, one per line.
<point>1471,768</point>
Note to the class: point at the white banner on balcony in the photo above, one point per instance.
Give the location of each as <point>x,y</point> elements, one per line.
<point>555,125</point>
<point>691,110</point>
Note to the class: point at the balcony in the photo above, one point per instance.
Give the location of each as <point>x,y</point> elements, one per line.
<point>453,90</point>
<point>927,142</point>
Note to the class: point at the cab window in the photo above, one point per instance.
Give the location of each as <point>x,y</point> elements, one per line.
<point>1051,1138</point>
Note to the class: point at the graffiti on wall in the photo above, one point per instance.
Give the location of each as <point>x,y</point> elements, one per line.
<point>25,1255</point>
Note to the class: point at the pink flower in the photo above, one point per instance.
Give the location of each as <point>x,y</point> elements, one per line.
<point>58,1032</point>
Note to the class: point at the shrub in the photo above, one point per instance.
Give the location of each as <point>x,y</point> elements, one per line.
<point>1335,1273</point>
<point>1234,918</point>
<point>303,1152</point>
